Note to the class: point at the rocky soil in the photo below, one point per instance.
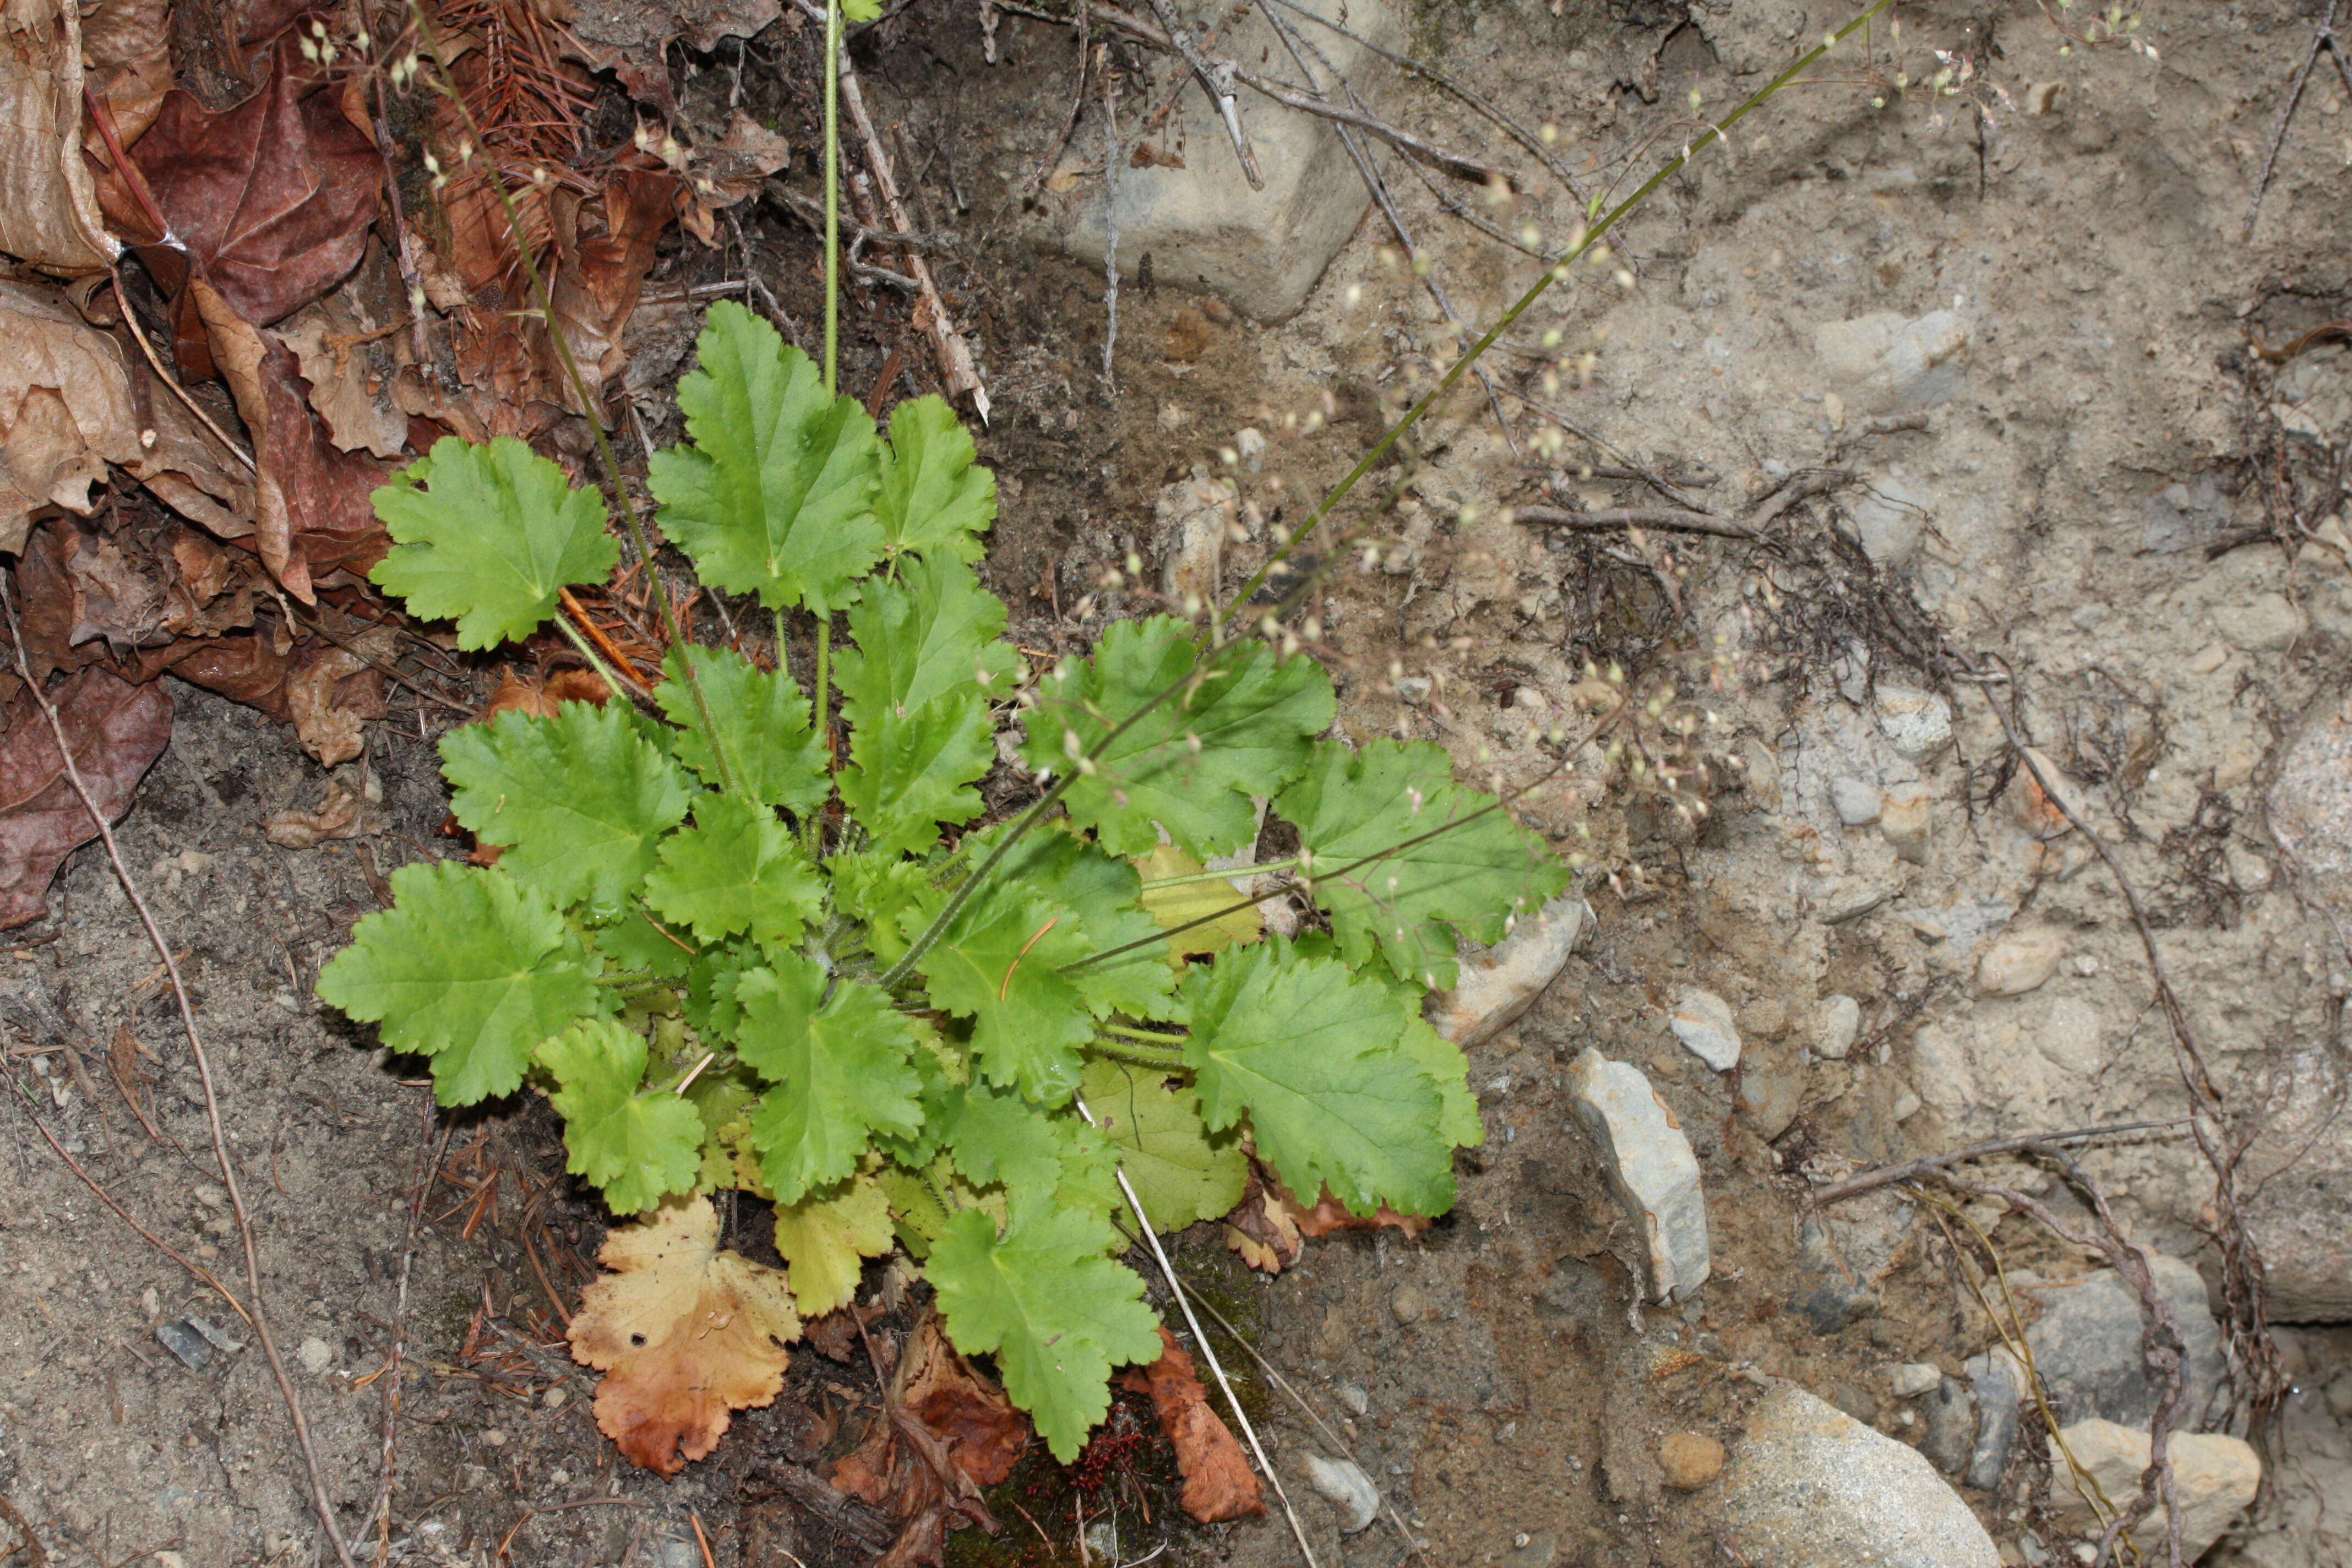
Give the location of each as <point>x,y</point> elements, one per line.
<point>2096,489</point>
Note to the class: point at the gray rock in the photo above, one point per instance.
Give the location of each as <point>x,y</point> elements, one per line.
<point>1542,1551</point>
<point>1353,1396</point>
<point>1191,516</point>
<point>1810,1487</point>
<point>1948,1419</point>
<point>1202,225</point>
<point>1651,1170</point>
<point>1830,1293</point>
<point>1771,1085</point>
<point>2310,806</point>
<point>1497,984</point>
<point>1889,516</point>
<point>2020,961</point>
<point>1856,801</point>
<point>1409,1304</point>
<point>2087,1343</point>
<point>1702,1020</point>
<point>1836,1023</point>
<point>1908,1379</point>
<point>2299,1174</point>
<point>1882,364</point>
<point>2214,1480</point>
<point>2267,623</point>
<point>315,1354</point>
<point>1916,723</point>
<point>1999,1386</point>
<point>1345,1487</point>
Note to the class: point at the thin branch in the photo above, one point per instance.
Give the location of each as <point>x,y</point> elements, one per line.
<point>1679,520</point>
<point>1216,79</point>
<point>2321,38</point>
<point>435,1150</point>
<point>1912,1170</point>
<point>254,1313</point>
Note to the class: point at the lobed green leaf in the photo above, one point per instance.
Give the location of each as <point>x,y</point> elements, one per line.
<point>934,498</point>
<point>1406,903</point>
<point>839,1067</point>
<point>1191,763</point>
<point>577,801</point>
<point>489,537</point>
<point>468,968</point>
<point>998,965</point>
<point>638,1147</point>
<point>763,724</point>
<point>737,869</point>
<point>775,496</point>
<point>1181,1172</point>
<point>1055,1313</point>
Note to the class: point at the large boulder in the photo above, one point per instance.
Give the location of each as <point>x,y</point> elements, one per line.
<point>1201,223</point>
<point>1810,1487</point>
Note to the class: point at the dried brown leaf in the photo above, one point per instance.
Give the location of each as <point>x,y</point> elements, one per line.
<point>630,39</point>
<point>67,410</point>
<point>126,48</point>
<point>685,1333</point>
<point>340,814</point>
<point>334,342</point>
<point>272,198</point>
<point>48,200</point>
<point>1218,1482</point>
<point>116,730</point>
<point>945,1432</point>
<point>332,694</point>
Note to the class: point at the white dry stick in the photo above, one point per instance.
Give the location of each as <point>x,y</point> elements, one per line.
<point>204,1073</point>
<point>1208,1351</point>
<point>956,363</point>
<point>1110,228</point>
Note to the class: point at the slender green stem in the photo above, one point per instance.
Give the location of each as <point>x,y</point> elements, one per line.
<point>447,87</point>
<point>1158,882</point>
<point>1125,1032</point>
<point>595,661</point>
<point>1555,273</point>
<point>1152,1059</point>
<point>832,196</point>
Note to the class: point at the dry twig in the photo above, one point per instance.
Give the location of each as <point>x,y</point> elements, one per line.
<point>1912,1170</point>
<point>2323,41</point>
<point>254,1313</point>
<point>1680,520</point>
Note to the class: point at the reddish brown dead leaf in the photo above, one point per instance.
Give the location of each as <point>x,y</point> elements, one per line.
<point>520,694</point>
<point>126,46</point>
<point>1219,1484</point>
<point>945,1432</point>
<point>311,514</point>
<point>1330,1214</point>
<point>48,201</point>
<point>332,693</point>
<point>272,198</point>
<point>685,1333</point>
<point>116,732</point>
<point>1263,1229</point>
<point>344,357</point>
<point>67,409</point>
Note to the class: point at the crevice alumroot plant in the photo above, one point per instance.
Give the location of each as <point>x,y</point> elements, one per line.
<point>734,958</point>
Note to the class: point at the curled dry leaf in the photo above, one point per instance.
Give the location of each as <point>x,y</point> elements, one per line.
<point>729,172</point>
<point>1330,1214</point>
<point>340,814</point>
<point>946,1432</point>
<point>516,693</point>
<point>48,200</point>
<point>67,409</point>
<point>116,732</point>
<point>1263,1229</point>
<point>126,48</point>
<point>685,1334</point>
<point>338,348</point>
<point>1218,1482</point>
<point>331,695</point>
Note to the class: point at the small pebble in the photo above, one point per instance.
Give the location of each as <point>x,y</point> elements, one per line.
<point>1690,1459</point>
<point>1836,1023</point>
<point>1855,801</point>
<point>1410,1304</point>
<point>555,1398</point>
<point>1911,1379</point>
<point>1346,1487</point>
<point>1353,1396</point>
<point>2020,961</point>
<point>1702,1021</point>
<point>315,1354</point>
<point>495,1438</point>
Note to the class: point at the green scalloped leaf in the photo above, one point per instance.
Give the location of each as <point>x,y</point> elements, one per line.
<point>488,537</point>
<point>825,1242</point>
<point>1191,763</point>
<point>737,869</point>
<point>638,1147</point>
<point>578,801</point>
<point>839,1067</point>
<point>774,495</point>
<point>934,496</point>
<point>996,965</point>
<point>1409,899</point>
<point>468,968</point>
<point>763,722</point>
<point>1180,1171</point>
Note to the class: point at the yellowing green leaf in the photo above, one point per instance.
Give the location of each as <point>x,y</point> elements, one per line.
<point>1179,1170</point>
<point>466,968</point>
<point>637,1146</point>
<point>1195,897</point>
<point>826,1240</point>
<point>488,537</point>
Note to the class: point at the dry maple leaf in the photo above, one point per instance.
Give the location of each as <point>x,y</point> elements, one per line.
<point>116,730</point>
<point>945,1432</point>
<point>1218,1482</point>
<point>685,1334</point>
